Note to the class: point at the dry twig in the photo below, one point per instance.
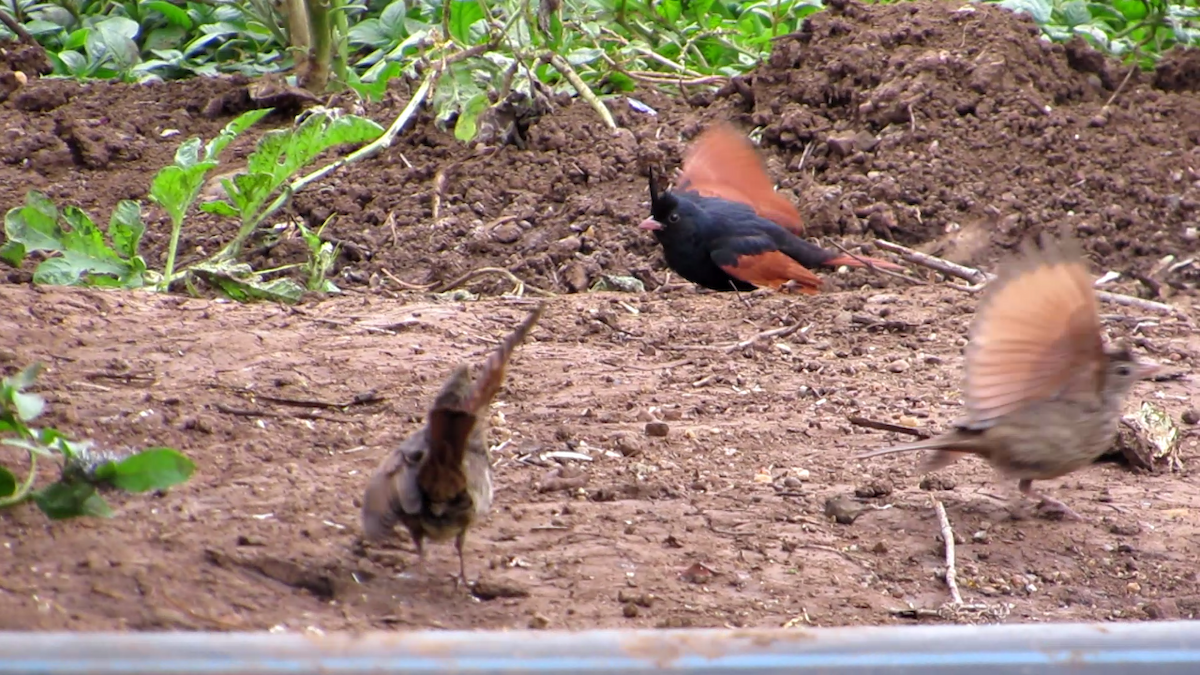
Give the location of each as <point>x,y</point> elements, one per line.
<point>886,426</point>
<point>948,538</point>
<point>773,333</point>
<point>520,288</point>
<point>979,277</point>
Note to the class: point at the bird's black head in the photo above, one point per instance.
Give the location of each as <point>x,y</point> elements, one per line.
<point>665,212</point>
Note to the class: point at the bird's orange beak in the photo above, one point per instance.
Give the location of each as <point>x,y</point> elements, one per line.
<point>651,224</point>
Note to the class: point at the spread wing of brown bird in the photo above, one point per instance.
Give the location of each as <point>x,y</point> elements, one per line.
<point>1043,394</point>
<point>723,163</point>
<point>438,482</point>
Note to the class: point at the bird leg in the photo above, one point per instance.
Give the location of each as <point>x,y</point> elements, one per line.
<point>420,552</point>
<point>1026,487</point>
<point>462,566</point>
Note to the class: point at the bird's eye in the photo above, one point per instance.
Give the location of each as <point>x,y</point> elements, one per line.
<point>673,218</point>
<point>1123,370</point>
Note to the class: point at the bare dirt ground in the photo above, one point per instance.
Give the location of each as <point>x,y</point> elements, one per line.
<point>952,129</point>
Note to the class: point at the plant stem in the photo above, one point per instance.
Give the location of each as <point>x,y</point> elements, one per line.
<point>172,249</point>
<point>26,488</point>
<point>322,45</point>
<point>300,37</point>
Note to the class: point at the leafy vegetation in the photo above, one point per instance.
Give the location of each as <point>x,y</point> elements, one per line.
<point>78,253</point>
<point>609,43</point>
<point>84,470</point>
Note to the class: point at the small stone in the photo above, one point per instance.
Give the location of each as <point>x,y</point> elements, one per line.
<point>792,482</point>
<point>657,429</point>
<point>876,488</point>
<point>507,233</point>
<point>936,482</point>
<point>1190,416</point>
<point>1133,587</point>
<point>574,277</point>
<point>1098,121</point>
<point>980,537</point>
<point>879,547</point>
<point>899,366</point>
<point>539,622</point>
<point>630,610</point>
<point>628,445</point>
<point>1125,529</point>
<point>842,145</point>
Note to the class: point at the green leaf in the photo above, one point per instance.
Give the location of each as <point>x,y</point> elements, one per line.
<point>25,378</point>
<point>8,483</point>
<point>29,406</point>
<point>62,500</point>
<point>29,446</point>
<point>112,40</point>
<point>464,14</point>
<point>165,37</point>
<point>1040,10</point>
<point>231,131</point>
<point>248,192</point>
<point>12,253</point>
<point>220,207</point>
<point>1132,10</point>
<point>84,240</point>
<point>34,225</point>
<point>175,187</point>
<point>1076,13</point>
<point>57,272</point>
<point>374,90</point>
<point>153,469</point>
<point>187,154</point>
<point>176,15</point>
<point>467,126</point>
<point>125,228</point>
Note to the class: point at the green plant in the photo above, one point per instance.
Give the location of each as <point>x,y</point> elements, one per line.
<point>176,187</point>
<point>83,470</point>
<point>80,254</point>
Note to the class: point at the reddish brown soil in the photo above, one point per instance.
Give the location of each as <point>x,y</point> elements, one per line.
<point>957,130</point>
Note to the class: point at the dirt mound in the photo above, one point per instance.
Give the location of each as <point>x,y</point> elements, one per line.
<point>927,118</point>
<point>955,127</point>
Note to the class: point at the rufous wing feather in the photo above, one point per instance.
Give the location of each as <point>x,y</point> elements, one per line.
<point>1036,334</point>
<point>770,269</point>
<point>723,163</point>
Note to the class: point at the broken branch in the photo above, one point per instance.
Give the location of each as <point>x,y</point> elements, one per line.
<point>948,538</point>
<point>979,277</point>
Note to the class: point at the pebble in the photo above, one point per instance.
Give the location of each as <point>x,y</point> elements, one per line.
<point>899,366</point>
<point>628,445</point>
<point>1190,416</point>
<point>539,622</point>
<point>507,233</point>
<point>658,429</point>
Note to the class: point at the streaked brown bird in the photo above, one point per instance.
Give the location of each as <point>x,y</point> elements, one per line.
<point>438,482</point>
<point>1043,394</point>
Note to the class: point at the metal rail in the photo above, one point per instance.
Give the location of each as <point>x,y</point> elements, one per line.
<point>1163,648</point>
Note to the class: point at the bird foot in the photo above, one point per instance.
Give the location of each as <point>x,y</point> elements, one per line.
<point>1056,508</point>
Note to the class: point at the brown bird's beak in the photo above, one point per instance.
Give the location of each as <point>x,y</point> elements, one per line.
<point>651,224</point>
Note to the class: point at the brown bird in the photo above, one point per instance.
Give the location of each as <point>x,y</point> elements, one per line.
<point>1042,392</point>
<point>438,482</point>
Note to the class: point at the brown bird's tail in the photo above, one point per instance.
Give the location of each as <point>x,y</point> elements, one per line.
<point>861,261</point>
<point>455,414</point>
<point>950,448</point>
